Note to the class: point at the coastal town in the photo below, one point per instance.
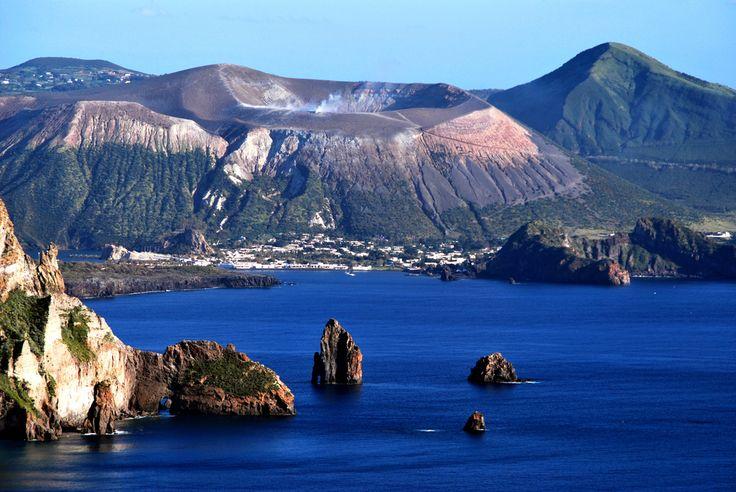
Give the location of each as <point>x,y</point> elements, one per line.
<point>322,252</point>
<point>316,252</point>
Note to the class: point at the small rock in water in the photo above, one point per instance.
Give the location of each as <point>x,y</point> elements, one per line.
<point>492,369</point>
<point>476,423</point>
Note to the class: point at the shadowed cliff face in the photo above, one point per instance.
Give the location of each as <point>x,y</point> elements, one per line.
<point>665,248</point>
<point>250,152</point>
<point>61,366</point>
<point>540,253</point>
<point>657,247</point>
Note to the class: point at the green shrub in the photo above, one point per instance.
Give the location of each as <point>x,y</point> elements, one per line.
<point>51,385</point>
<point>74,335</point>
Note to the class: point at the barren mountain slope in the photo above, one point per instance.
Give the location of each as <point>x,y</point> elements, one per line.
<point>248,153</point>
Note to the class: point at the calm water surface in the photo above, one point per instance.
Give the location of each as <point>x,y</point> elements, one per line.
<point>636,389</point>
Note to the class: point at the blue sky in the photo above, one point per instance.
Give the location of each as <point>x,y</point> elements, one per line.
<point>473,44</point>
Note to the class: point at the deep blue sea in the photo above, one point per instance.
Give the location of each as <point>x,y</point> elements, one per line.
<point>636,388</point>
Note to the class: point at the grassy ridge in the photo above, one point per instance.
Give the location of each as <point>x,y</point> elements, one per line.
<point>611,204</point>
<point>710,190</point>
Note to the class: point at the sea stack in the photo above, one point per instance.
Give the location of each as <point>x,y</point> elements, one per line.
<point>475,424</point>
<point>102,413</point>
<point>492,369</point>
<point>339,360</point>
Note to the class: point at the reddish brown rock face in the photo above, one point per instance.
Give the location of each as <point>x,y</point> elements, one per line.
<point>492,369</point>
<point>339,360</point>
<point>476,423</point>
<point>19,423</point>
<point>208,379</point>
<point>102,413</point>
<point>49,274</point>
<point>618,275</point>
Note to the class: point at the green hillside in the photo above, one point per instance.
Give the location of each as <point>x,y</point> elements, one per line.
<point>637,117</point>
<point>613,100</point>
<point>132,196</point>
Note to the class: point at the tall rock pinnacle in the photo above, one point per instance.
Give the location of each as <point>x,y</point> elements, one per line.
<point>339,360</point>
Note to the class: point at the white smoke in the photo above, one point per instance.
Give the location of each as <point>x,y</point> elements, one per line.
<point>333,104</point>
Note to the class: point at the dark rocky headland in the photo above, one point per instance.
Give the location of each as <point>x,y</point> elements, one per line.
<point>656,247</point>
<point>90,280</point>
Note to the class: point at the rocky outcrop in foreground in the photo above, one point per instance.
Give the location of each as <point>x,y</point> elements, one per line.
<point>492,369</point>
<point>540,253</point>
<point>208,379</point>
<point>339,360</point>
<point>61,366</point>
<point>90,280</point>
<point>475,424</point>
<point>102,414</point>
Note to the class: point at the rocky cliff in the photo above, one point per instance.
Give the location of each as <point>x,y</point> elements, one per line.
<point>62,367</point>
<point>657,247</point>
<point>188,241</point>
<point>665,248</point>
<point>539,253</point>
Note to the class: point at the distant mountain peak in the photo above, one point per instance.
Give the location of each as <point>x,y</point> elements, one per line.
<point>63,74</point>
<point>59,62</point>
<point>613,100</point>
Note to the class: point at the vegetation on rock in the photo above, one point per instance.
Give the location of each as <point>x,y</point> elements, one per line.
<point>666,131</point>
<point>89,280</point>
<point>540,253</point>
<point>233,374</point>
<point>18,393</point>
<point>22,317</point>
<point>74,334</point>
